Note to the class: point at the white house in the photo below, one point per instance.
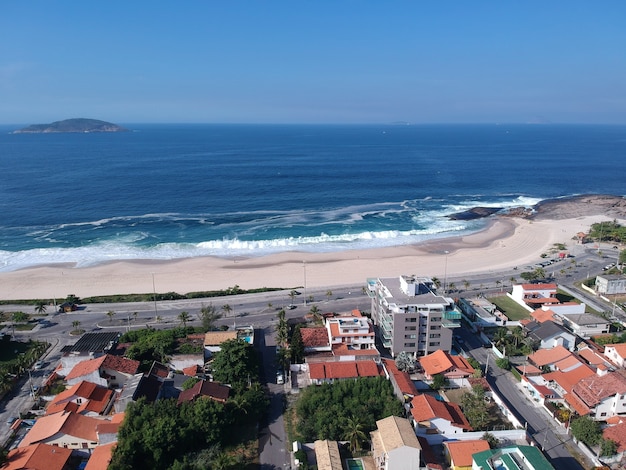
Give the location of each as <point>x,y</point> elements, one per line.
<point>395,445</point>
<point>433,416</point>
<point>611,284</point>
<point>532,296</point>
<point>616,353</point>
<point>605,395</point>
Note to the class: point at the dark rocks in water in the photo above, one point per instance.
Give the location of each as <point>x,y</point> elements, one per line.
<point>72,125</point>
<point>475,213</point>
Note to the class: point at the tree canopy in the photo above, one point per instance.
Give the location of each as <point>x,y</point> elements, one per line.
<point>236,364</point>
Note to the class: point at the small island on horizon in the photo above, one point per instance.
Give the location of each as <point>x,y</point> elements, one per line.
<point>72,125</point>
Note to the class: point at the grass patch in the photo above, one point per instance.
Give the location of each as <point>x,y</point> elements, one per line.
<point>24,326</point>
<point>510,308</point>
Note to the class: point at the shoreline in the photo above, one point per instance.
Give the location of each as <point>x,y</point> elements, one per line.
<point>504,243</point>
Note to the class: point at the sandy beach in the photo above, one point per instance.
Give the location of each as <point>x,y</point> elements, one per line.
<point>505,243</point>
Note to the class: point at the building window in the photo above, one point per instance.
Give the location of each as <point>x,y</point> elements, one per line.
<point>409,345</point>
<point>410,328</point>
<point>435,319</point>
<point>409,336</point>
<point>433,343</point>
<point>410,320</point>
<point>435,335</point>
<point>435,327</point>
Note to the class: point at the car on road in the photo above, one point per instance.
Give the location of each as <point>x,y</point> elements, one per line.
<point>38,365</point>
<point>291,306</point>
<point>280,379</point>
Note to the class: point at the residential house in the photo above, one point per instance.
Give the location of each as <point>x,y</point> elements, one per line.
<point>38,457</point>
<point>395,446</point>
<point>213,341</point>
<point>482,313</point>
<point>158,383</point>
<point>608,284</point>
<point>411,316</point>
<point>315,339</point>
<point>459,453</point>
<point>431,416</point>
<point>533,296</point>
<point>403,386</point>
<point>617,434</point>
<point>585,325</point>
<point>547,357</point>
<point>88,346</point>
<point>204,389</point>
<point>84,397</point>
<point>329,372</point>
<point>327,455</point>
<point>616,353</point>
<point>605,396</point>
<point>442,362</point>
<point>64,429</point>
<point>101,457</point>
<point>354,331</point>
<point>108,370</point>
<point>511,458</point>
<point>550,334</point>
<point>185,361</point>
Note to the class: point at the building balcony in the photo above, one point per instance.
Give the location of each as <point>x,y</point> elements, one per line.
<point>451,319</point>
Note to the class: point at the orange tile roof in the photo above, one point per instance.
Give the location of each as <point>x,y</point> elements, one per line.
<point>71,424</point>
<point>540,315</point>
<point>543,357</point>
<point>101,457</point>
<point>461,451</point>
<point>401,378</point>
<point>314,336</point>
<point>593,389</point>
<point>317,371</point>
<point>368,369</point>
<point>118,418</point>
<point>591,357</point>
<point>96,398</point>
<point>425,408</point>
<point>440,362</point>
<point>616,433</point>
<point>37,457</point>
<point>85,367</point>
<point>343,350</point>
<point>577,404</point>
<point>567,380</point>
<point>568,363</point>
<point>343,370</point>
<point>192,371</point>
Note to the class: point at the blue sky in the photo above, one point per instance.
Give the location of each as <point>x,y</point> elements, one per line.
<point>313,61</point>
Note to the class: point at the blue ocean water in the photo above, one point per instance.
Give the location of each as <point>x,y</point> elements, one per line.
<point>175,191</point>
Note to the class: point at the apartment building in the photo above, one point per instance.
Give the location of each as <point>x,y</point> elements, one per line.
<point>411,316</point>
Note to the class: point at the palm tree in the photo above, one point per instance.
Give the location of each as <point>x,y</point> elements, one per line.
<point>110,314</point>
<point>159,319</point>
<point>451,287</point>
<point>184,318</point>
<point>227,309</point>
<point>466,284</point>
<point>269,305</point>
<point>437,282</point>
<point>513,280</point>
<point>498,283</point>
<point>20,317</point>
<point>353,432</point>
<point>75,324</point>
<point>329,294</point>
<point>40,308</point>
<point>292,295</point>
<point>135,316</point>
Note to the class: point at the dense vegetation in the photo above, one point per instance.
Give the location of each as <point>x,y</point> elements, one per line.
<point>345,410</point>
<point>198,435</point>
<point>589,431</point>
<point>608,231</point>
<point>150,345</point>
<point>15,358</point>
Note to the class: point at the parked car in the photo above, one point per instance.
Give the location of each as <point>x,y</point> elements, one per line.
<point>280,379</point>
<point>38,365</point>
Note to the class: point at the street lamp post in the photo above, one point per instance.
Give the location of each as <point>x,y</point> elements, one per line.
<point>445,273</point>
<point>156,314</point>
<point>304,267</point>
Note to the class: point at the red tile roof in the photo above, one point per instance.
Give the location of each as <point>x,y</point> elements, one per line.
<point>204,388</point>
<point>343,370</point>
<point>593,389</point>
<point>425,408</point>
<point>37,457</point>
<point>93,397</point>
<point>543,357</point>
<point>101,457</point>
<point>116,363</point>
<point>192,371</point>
<point>314,337</point>
<point>578,406</point>
<point>540,315</point>
<point>402,379</point>
<point>616,433</point>
<point>71,424</point>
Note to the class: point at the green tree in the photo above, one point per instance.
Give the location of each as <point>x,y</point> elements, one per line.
<point>292,295</point>
<point>503,363</point>
<point>184,317</point>
<point>466,284</point>
<point>75,325</point>
<point>473,405</point>
<point>492,440</point>
<point>189,383</point>
<point>329,294</point>
<point>452,287</point>
<point>608,448</point>
<point>297,346</point>
<point>587,430</point>
<point>19,317</point>
<point>353,433</point>
<point>110,314</point>
<point>439,381</point>
<point>209,317</point>
<point>227,309</point>
<point>40,307</point>
<point>236,364</point>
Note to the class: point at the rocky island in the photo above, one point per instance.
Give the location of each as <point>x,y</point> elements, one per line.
<point>72,125</point>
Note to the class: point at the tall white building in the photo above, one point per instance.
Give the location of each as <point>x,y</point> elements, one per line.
<point>411,316</point>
